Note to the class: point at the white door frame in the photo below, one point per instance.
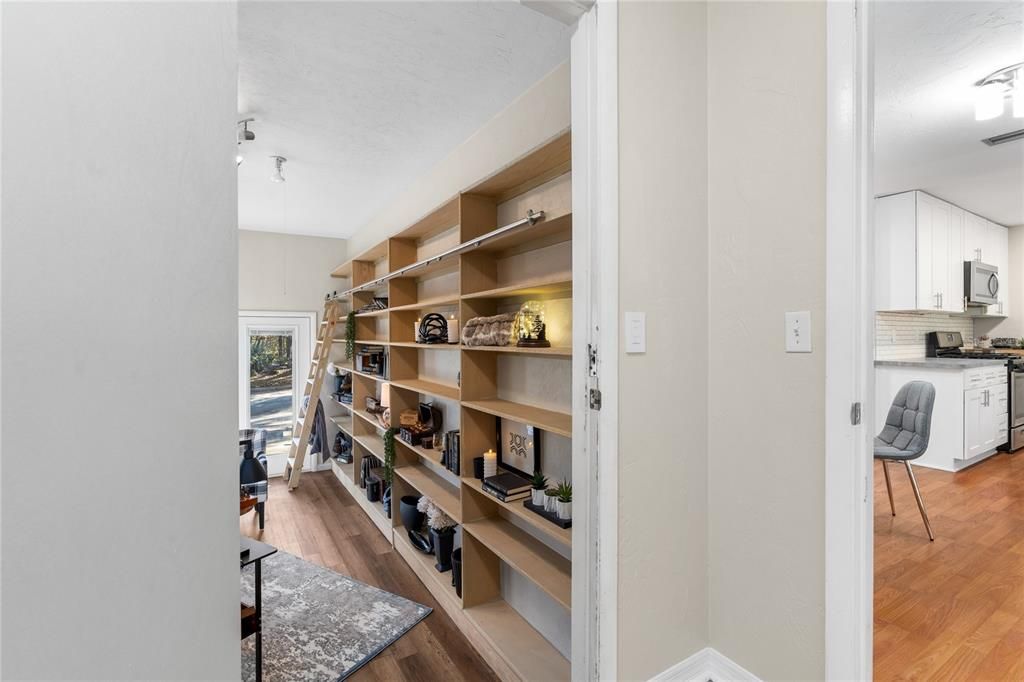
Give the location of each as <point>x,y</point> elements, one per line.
<point>595,187</point>
<point>303,358</point>
<point>849,365</point>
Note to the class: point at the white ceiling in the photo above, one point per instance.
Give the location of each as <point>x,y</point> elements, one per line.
<point>363,97</point>
<point>928,55</point>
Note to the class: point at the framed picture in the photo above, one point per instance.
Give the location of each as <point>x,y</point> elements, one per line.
<point>518,447</point>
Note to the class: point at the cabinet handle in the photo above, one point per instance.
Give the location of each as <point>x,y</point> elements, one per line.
<point>937,304</point>
<point>940,300</point>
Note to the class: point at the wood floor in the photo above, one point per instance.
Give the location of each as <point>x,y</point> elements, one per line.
<point>320,522</point>
<point>952,609</point>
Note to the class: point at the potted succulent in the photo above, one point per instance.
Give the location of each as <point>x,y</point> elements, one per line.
<point>550,500</point>
<point>442,532</point>
<point>564,506</point>
<point>540,484</point>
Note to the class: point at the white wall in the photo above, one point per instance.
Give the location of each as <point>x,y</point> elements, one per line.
<point>537,115</point>
<point>1014,324</point>
<point>287,272</point>
<point>119,303</point>
<point>766,255</point>
<point>662,554</point>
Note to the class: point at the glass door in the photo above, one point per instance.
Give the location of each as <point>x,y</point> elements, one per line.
<point>274,357</point>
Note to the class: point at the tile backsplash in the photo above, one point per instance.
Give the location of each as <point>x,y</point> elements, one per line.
<point>900,336</point>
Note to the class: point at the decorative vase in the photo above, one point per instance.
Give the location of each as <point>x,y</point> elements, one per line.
<point>444,541</point>
<point>537,497</point>
<point>386,501</point>
<point>412,518</point>
<point>550,500</point>
<point>564,510</point>
<point>457,571</point>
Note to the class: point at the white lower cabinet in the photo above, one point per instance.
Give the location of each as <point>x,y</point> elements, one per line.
<point>969,419</point>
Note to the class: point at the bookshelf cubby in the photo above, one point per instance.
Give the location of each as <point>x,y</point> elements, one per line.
<point>481,252</point>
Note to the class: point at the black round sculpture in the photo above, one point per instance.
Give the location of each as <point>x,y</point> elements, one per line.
<point>434,329</point>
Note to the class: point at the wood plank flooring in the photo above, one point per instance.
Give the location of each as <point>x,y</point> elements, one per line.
<point>952,609</point>
<point>320,522</point>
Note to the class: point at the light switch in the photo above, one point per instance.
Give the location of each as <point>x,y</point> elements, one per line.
<point>798,332</point>
<point>636,332</point>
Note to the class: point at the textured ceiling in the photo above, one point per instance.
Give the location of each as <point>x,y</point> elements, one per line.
<point>927,56</point>
<point>363,97</point>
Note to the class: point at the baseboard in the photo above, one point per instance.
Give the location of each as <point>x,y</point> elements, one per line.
<point>707,665</point>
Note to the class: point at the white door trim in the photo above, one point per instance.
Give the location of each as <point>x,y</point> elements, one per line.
<point>849,366</point>
<point>594,79</point>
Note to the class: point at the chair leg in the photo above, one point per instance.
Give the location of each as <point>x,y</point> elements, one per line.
<point>920,502</point>
<point>888,485</point>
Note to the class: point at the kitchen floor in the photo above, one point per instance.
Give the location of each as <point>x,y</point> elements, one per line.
<point>320,522</point>
<point>954,608</point>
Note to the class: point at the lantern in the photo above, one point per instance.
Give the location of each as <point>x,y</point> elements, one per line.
<point>531,326</point>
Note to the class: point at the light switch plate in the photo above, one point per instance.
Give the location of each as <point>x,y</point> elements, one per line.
<point>636,332</point>
<point>798,332</point>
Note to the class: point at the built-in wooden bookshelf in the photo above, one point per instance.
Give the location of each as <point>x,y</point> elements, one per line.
<point>446,263</point>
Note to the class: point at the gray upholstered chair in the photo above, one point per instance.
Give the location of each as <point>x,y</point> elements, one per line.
<point>905,436</point>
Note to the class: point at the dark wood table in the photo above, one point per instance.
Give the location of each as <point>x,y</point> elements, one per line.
<point>252,621</point>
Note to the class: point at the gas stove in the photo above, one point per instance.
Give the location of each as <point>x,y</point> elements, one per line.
<point>950,345</point>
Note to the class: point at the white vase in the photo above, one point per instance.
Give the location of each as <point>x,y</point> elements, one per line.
<point>564,510</point>
<point>549,503</point>
<point>537,497</point>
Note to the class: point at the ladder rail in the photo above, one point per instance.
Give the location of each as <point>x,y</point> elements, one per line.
<point>314,383</point>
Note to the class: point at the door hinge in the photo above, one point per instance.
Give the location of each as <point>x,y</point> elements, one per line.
<point>595,399</point>
<point>855,414</point>
<point>592,360</point>
<point>593,393</point>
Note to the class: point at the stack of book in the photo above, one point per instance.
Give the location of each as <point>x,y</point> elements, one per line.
<point>507,486</point>
<point>450,452</point>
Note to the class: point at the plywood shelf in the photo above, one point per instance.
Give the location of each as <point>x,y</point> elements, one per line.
<point>439,584</point>
<point>366,375</point>
<point>372,342</point>
<point>542,286</point>
<point>551,230</point>
<point>521,647</point>
<point>343,422</point>
<point>544,567</point>
<point>430,388</point>
<point>562,536</point>
<point>554,351</point>
<point>433,486</point>
<point>373,313</point>
<point>346,470</point>
<point>343,271</point>
<point>368,418</point>
<point>435,302</point>
<point>426,346</point>
<point>546,162</point>
<point>346,406</point>
<point>373,444</point>
<point>545,420</point>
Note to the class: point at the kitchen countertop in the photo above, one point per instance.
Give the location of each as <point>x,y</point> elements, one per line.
<point>940,363</point>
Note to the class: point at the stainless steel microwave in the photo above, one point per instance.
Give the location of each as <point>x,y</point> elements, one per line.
<point>981,283</point>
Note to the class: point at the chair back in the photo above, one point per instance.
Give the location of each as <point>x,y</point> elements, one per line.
<point>909,422</point>
<point>259,441</point>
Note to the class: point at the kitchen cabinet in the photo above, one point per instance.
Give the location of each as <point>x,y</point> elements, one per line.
<point>921,243</point>
<point>970,415</point>
<point>918,249</point>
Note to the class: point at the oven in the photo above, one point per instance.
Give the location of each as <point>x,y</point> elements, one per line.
<point>1016,404</point>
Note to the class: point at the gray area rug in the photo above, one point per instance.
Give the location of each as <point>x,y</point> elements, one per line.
<point>318,624</point>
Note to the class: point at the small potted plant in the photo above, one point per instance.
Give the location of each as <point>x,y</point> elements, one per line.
<point>540,484</point>
<point>442,532</point>
<point>550,500</point>
<point>564,506</point>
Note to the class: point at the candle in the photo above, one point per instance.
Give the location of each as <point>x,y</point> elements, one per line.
<point>490,463</point>
<point>453,330</point>
<point>416,331</point>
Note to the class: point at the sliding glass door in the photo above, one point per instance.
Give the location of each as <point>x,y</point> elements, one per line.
<point>274,357</point>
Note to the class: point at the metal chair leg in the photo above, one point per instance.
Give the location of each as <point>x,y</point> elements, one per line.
<point>920,502</point>
<point>888,485</point>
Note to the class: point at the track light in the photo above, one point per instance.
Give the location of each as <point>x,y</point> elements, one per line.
<point>994,88</point>
<point>243,134</point>
<point>277,176</point>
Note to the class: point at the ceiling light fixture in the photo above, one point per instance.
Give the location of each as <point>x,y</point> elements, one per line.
<point>277,176</point>
<point>994,88</point>
<point>243,134</point>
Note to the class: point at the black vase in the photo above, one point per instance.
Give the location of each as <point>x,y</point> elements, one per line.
<point>412,518</point>
<point>386,501</point>
<point>457,571</point>
<point>444,541</point>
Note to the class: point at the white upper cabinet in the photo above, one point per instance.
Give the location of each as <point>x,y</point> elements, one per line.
<point>921,243</point>
<point>918,249</point>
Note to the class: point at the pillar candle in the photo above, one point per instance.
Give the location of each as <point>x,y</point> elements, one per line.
<point>490,463</point>
<point>453,330</point>
<point>416,331</point>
